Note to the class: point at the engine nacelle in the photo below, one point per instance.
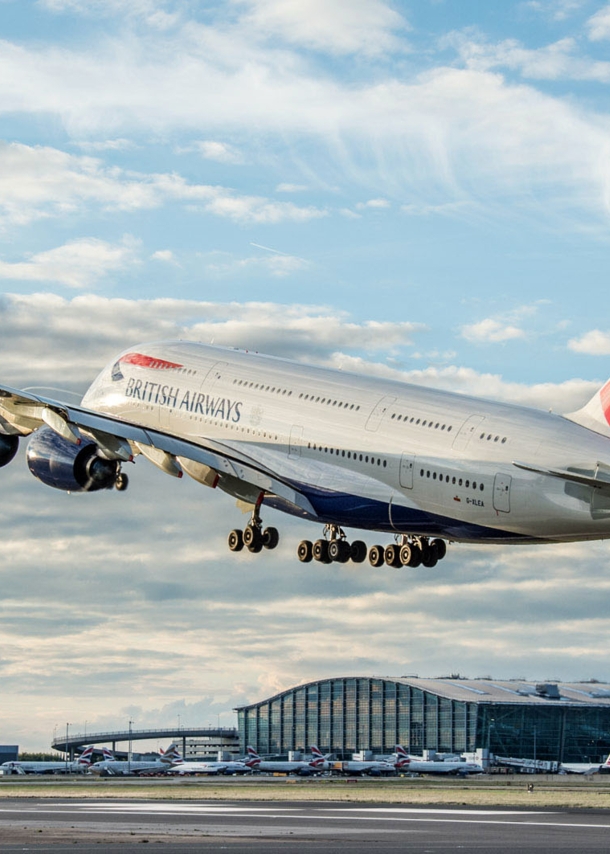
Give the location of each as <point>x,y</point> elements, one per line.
<point>8,448</point>
<point>73,468</point>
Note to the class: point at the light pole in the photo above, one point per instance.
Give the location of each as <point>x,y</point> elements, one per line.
<point>67,738</point>
<point>129,753</point>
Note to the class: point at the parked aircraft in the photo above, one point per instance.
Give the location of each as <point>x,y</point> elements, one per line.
<point>180,766</point>
<point>370,767</point>
<point>585,768</point>
<point>56,766</point>
<point>417,765</point>
<point>338,449</point>
<point>109,766</point>
<point>301,767</point>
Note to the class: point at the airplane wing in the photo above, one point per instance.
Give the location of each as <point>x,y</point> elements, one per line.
<point>597,482</point>
<point>23,412</point>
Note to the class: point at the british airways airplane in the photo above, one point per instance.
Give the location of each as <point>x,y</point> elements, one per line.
<point>334,448</point>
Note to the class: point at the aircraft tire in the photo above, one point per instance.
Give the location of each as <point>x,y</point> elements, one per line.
<point>305,551</point>
<point>391,555</point>
<point>320,551</point>
<point>376,557</point>
<point>253,539</point>
<point>358,551</point>
<point>271,538</point>
<point>441,548</point>
<point>406,554</point>
<point>429,557</point>
<point>122,482</point>
<point>236,540</point>
<point>415,556</point>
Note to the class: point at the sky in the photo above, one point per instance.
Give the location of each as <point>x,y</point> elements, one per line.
<point>417,190</point>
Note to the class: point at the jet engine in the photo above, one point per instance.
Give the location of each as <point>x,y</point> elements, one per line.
<point>8,448</point>
<point>63,465</point>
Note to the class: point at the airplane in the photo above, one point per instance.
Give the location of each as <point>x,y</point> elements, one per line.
<point>338,449</point>
<point>183,767</point>
<point>585,768</point>
<point>358,767</point>
<point>301,767</point>
<point>415,765</point>
<point>76,766</point>
<point>111,767</point>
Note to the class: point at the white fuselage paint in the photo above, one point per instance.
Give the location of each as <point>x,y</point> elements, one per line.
<point>369,453</point>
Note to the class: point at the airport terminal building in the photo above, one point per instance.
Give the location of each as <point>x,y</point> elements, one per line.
<point>553,721</point>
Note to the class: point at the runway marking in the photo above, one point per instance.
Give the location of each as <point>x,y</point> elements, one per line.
<point>350,813</point>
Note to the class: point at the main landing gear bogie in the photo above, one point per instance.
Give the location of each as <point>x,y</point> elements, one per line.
<point>333,548</point>
<point>254,537</point>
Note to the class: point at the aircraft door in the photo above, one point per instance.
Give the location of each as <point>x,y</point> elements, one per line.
<point>467,430</point>
<point>405,473</point>
<point>376,416</point>
<point>296,437</point>
<point>502,484</point>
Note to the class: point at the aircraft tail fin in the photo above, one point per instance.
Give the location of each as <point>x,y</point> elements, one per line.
<point>172,755</point>
<point>596,414</point>
<point>606,764</point>
<point>107,754</point>
<point>86,757</point>
<point>253,760</point>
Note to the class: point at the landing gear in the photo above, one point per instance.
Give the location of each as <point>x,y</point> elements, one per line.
<point>254,537</point>
<point>122,482</point>
<point>333,548</point>
<point>409,551</point>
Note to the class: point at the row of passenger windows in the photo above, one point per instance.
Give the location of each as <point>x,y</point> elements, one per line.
<point>328,401</point>
<point>423,422</point>
<point>263,387</point>
<point>363,458</point>
<point>490,436</point>
<point>454,481</point>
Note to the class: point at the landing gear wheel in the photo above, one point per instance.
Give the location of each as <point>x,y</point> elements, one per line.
<point>122,482</point>
<point>358,551</point>
<point>392,555</point>
<point>271,538</point>
<point>253,539</point>
<point>406,554</point>
<point>320,551</point>
<point>305,551</point>
<point>376,556</point>
<point>429,556</point>
<point>236,540</point>
<point>339,550</point>
<point>416,556</point>
<point>441,548</point>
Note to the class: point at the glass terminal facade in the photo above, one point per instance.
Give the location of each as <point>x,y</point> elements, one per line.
<point>343,716</point>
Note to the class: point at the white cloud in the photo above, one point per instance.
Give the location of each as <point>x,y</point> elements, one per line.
<point>151,11</point>
<point>221,152</point>
<point>40,182</point>
<point>552,62</point>
<point>290,188</point>
<point>490,331</point>
<point>593,343</point>
<point>599,24</point>
<point>277,264</point>
<point>165,255</point>
<point>341,27</point>
<point>77,264</point>
<point>375,204</point>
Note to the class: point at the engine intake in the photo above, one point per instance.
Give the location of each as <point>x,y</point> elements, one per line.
<point>73,468</point>
<point>8,448</point>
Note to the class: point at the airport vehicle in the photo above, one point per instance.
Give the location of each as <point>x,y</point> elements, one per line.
<point>341,450</point>
<point>302,767</point>
<point>111,767</point>
<point>585,768</point>
<point>417,765</point>
<point>76,766</point>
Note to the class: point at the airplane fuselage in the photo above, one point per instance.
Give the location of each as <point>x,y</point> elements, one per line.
<point>366,452</point>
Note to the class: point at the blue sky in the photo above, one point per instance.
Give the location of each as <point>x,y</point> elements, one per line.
<point>418,190</point>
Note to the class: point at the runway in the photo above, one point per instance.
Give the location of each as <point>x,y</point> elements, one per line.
<point>238,826</point>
